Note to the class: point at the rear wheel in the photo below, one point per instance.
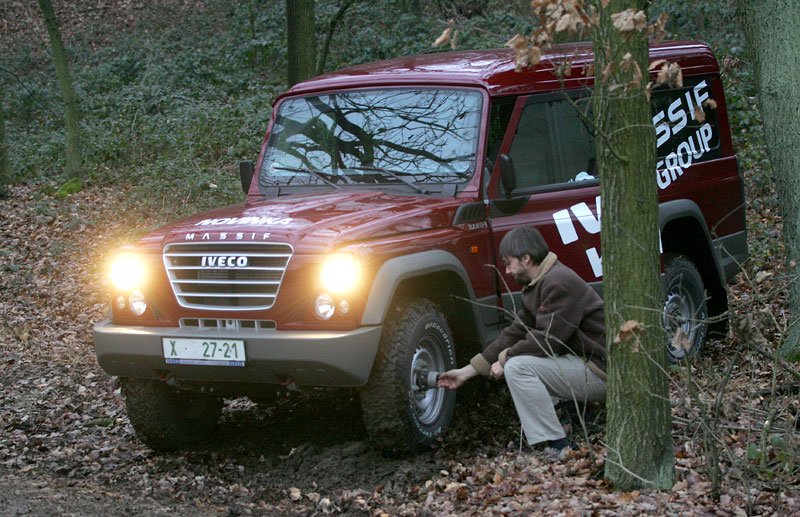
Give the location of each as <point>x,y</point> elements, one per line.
<point>685,310</point>
<point>166,419</point>
<point>399,415</point>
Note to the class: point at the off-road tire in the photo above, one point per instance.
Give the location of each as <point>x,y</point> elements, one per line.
<point>166,419</point>
<point>398,419</point>
<point>684,306</point>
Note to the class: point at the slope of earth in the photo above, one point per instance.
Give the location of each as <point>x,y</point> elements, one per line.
<point>66,445</point>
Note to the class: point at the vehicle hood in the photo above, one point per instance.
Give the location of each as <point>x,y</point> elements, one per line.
<point>314,222</point>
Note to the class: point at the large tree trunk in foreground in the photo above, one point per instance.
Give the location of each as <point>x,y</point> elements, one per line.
<point>302,42</point>
<point>638,429</point>
<point>772,27</point>
<point>67,92</point>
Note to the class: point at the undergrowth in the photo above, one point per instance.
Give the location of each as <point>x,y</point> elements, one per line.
<point>170,105</point>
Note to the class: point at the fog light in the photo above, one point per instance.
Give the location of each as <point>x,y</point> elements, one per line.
<point>344,306</point>
<point>324,307</point>
<point>137,303</point>
<point>121,302</point>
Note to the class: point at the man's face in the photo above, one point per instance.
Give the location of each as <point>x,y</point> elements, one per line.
<point>518,269</point>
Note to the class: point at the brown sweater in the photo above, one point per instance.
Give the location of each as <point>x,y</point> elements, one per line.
<point>561,315</point>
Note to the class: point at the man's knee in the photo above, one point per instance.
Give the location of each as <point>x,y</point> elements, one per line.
<point>522,365</point>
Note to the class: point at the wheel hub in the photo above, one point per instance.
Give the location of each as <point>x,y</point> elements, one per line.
<point>427,402</point>
<point>678,315</point>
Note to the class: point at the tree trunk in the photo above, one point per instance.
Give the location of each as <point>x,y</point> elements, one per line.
<point>302,42</point>
<point>638,429</point>
<point>67,92</point>
<point>5,164</point>
<point>771,28</point>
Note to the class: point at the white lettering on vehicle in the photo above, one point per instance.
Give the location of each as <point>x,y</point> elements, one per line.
<point>692,148</point>
<point>232,261</point>
<point>590,221</point>
<point>253,221</point>
<point>240,236</point>
<point>674,164</point>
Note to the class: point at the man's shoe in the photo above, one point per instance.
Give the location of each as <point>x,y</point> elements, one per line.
<point>553,454</point>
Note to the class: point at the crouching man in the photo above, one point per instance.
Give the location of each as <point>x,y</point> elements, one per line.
<point>555,348</point>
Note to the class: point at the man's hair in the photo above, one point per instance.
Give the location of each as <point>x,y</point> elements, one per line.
<point>525,240</point>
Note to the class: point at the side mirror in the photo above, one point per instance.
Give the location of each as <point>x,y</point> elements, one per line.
<point>508,178</point>
<point>246,170</point>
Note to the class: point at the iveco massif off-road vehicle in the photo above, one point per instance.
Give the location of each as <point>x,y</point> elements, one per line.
<point>363,255</point>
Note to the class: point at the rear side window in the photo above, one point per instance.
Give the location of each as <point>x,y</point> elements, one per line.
<point>554,140</point>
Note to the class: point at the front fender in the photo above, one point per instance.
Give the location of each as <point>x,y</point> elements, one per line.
<point>397,269</point>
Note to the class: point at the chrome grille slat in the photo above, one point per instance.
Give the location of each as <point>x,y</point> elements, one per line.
<point>250,284</point>
<point>228,282</point>
<point>226,295</point>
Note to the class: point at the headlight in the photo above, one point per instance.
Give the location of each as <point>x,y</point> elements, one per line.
<point>341,273</point>
<point>127,272</point>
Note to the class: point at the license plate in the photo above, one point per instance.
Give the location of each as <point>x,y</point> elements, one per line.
<point>208,352</point>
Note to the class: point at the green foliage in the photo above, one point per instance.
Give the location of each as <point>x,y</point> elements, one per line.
<point>71,186</point>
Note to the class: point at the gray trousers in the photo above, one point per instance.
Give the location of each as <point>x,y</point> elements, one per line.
<point>535,381</point>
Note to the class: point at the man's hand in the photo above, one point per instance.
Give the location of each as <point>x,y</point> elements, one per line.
<point>453,379</point>
<point>497,371</point>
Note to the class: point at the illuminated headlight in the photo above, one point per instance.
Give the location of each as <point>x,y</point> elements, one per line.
<point>127,272</point>
<point>341,273</point>
<point>137,303</point>
<point>324,306</point>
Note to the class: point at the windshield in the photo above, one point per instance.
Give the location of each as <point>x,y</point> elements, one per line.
<point>398,136</point>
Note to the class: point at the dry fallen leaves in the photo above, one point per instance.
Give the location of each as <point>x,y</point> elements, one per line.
<point>628,330</point>
<point>629,20</point>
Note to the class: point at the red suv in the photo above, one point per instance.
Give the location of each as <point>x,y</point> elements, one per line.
<point>365,254</point>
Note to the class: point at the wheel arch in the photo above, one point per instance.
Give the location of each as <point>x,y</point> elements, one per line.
<point>437,275</point>
<point>684,232</point>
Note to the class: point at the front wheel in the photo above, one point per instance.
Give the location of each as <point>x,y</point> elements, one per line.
<point>685,311</point>
<point>166,419</point>
<point>399,415</point>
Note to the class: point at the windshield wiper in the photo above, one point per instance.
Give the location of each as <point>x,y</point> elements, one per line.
<point>310,172</point>
<point>393,175</point>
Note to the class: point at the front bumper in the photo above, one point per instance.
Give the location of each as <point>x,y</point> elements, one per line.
<point>311,358</point>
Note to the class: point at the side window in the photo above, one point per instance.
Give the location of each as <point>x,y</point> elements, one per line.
<point>685,120</point>
<point>553,144</point>
<point>532,147</point>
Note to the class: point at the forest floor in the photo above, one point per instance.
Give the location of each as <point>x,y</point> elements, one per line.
<point>67,447</point>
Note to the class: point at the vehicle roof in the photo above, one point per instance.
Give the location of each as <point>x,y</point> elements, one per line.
<point>494,70</point>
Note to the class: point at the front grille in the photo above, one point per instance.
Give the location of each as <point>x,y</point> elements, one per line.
<point>226,276</point>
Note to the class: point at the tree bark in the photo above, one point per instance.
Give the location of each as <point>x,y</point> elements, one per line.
<point>771,27</point>
<point>5,164</point>
<point>302,42</point>
<point>638,429</point>
<point>67,92</point>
